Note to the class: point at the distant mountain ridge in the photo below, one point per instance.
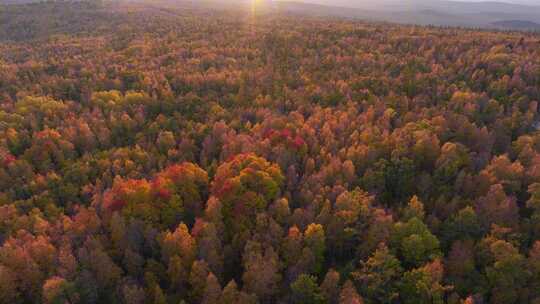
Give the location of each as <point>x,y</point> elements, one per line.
<point>427,12</point>
<point>517,24</point>
<point>16,1</point>
<point>423,4</point>
<point>11,2</point>
<point>490,14</point>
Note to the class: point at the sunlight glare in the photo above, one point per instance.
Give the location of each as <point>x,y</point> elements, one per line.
<point>255,4</point>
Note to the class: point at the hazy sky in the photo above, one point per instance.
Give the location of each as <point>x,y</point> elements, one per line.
<point>537,2</point>
<point>360,2</point>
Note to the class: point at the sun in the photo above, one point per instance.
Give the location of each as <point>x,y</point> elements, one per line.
<point>255,4</point>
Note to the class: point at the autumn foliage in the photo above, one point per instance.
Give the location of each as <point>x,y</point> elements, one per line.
<point>164,154</point>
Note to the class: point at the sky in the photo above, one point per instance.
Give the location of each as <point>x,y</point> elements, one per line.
<point>508,1</point>
<point>526,2</point>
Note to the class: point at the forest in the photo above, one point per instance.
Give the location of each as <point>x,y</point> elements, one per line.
<point>166,155</point>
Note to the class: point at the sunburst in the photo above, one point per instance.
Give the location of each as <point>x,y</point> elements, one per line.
<point>255,4</point>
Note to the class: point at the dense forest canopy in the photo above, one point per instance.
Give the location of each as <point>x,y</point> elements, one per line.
<point>153,154</point>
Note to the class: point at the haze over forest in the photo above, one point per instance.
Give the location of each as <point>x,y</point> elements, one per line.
<point>518,14</point>
<point>506,14</point>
